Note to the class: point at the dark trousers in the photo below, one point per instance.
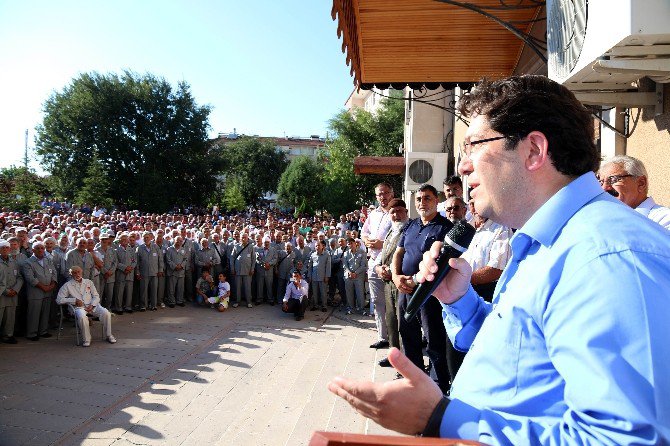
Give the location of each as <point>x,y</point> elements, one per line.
<point>391,295</point>
<point>297,307</point>
<point>430,320</point>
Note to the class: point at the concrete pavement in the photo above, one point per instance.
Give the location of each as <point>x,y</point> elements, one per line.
<point>189,376</point>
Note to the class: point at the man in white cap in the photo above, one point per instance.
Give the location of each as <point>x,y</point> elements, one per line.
<point>82,295</point>
<point>11,282</point>
<point>41,279</point>
<point>266,259</point>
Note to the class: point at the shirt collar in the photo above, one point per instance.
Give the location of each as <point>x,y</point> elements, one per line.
<point>646,206</point>
<point>545,224</point>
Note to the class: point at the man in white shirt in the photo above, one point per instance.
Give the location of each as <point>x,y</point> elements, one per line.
<point>376,226</point>
<point>295,298</point>
<point>83,296</point>
<point>487,254</point>
<point>625,178</point>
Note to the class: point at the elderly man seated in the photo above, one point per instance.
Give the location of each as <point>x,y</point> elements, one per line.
<point>82,295</point>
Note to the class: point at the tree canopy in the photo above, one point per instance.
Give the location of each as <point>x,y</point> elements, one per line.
<point>148,140</point>
<point>252,166</point>
<point>361,134</point>
<point>301,185</point>
<point>21,189</point>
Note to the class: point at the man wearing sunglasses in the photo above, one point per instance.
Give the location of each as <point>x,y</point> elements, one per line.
<point>574,347</point>
<point>625,178</point>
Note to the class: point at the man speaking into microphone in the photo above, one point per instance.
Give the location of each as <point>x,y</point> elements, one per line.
<point>574,347</point>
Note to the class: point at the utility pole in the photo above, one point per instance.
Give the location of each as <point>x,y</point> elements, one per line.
<point>25,153</point>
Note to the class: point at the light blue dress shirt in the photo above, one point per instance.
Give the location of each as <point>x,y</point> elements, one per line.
<point>575,348</point>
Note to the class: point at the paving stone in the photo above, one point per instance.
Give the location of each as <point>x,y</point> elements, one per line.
<point>189,377</point>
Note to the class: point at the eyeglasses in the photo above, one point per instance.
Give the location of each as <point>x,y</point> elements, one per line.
<point>613,179</point>
<point>453,208</point>
<point>468,148</point>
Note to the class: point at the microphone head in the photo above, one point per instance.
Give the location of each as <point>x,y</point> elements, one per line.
<point>460,236</point>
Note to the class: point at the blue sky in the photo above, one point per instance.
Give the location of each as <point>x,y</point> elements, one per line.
<point>266,67</point>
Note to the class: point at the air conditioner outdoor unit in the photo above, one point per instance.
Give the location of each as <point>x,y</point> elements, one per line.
<point>425,167</point>
<point>608,44</point>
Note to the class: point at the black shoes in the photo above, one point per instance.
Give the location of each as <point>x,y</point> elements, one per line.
<point>153,309</point>
<point>33,338</point>
<point>118,312</point>
<point>171,305</point>
<point>385,363</point>
<point>380,344</point>
<point>324,309</point>
<point>10,340</point>
<point>182,304</point>
<point>314,308</point>
<point>46,335</point>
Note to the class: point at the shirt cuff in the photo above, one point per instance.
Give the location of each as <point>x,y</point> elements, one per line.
<point>434,424</point>
<point>460,420</point>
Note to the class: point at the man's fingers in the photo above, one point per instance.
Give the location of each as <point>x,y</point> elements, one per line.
<point>353,393</point>
<point>404,366</point>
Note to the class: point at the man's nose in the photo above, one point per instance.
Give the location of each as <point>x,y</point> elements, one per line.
<point>465,166</point>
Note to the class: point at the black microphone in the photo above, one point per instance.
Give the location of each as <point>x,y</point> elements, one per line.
<point>456,242</point>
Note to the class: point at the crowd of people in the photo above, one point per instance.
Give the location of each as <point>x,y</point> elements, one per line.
<point>94,262</point>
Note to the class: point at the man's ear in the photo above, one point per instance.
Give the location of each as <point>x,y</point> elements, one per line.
<point>536,148</point>
<point>642,184</point>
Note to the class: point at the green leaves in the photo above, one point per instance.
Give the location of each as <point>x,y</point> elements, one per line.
<point>253,166</point>
<point>301,185</point>
<point>360,134</point>
<point>149,140</point>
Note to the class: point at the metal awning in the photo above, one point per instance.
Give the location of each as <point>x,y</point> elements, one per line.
<point>418,42</point>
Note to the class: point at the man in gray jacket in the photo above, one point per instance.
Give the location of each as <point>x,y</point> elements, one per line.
<point>243,268</point>
<point>318,274</point>
<point>266,259</point>
<point>9,297</point>
<point>126,263</point>
<point>107,255</point>
<point>149,264</point>
<point>41,279</point>
<point>285,268</point>
<point>354,264</point>
<point>80,257</point>
<point>176,259</point>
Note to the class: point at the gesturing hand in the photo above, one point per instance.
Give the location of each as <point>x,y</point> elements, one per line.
<point>403,405</point>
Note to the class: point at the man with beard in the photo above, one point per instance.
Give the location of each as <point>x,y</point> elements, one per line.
<point>417,238</point>
<point>398,213</point>
<point>454,209</point>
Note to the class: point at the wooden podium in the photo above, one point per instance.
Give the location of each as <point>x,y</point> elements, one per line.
<point>320,438</point>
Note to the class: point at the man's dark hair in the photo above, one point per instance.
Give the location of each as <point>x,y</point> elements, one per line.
<point>385,184</point>
<point>518,105</point>
<point>453,179</point>
<point>425,187</point>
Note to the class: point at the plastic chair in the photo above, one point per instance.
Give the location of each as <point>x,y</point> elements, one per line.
<point>78,336</point>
